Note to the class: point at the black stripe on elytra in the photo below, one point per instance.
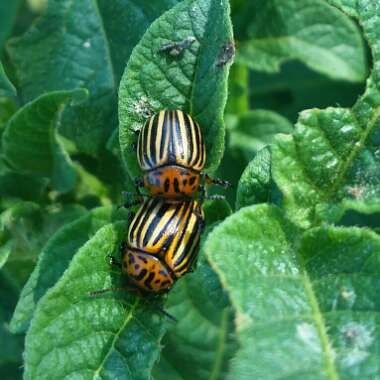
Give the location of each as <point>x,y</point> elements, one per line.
<point>194,234</point>
<point>141,275</point>
<point>152,142</point>
<point>171,152</point>
<point>179,142</point>
<point>136,220</point>
<point>145,217</point>
<point>189,138</point>
<point>194,253</point>
<point>164,228</point>
<point>165,130</point>
<point>180,241</point>
<point>167,243</point>
<point>153,226</point>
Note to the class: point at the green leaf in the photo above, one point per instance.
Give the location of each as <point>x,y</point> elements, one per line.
<point>348,6</point>
<point>332,160</point>
<point>54,259</point>
<point>200,344</point>
<point>24,229</point>
<point>11,347</point>
<point>247,133</point>
<point>238,90</point>
<point>7,97</point>
<point>296,88</point>
<point>194,81</point>
<point>343,146</point>
<point>312,296</point>
<point>256,129</point>
<point>82,44</point>
<point>16,185</point>
<point>7,89</point>
<point>215,211</point>
<point>8,11</point>
<point>30,141</point>
<point>256,181</point>
<point>320,36</point>
<point>124,340</point>
<point>5,251</point>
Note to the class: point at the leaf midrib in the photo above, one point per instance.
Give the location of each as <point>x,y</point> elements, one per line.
<point>116,336</point>
<point>358,147</point>
<point>217,368</point>
<point>321,326</point>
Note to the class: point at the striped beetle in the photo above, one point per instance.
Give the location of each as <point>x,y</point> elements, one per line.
<point>162,243</point>
<point>172,153</point>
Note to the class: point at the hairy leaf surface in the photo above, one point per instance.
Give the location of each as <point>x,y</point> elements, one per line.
<point>195,80</point>
<point>54,259</point>
<point>82,44</point>
<point>311,296</point>
<point>91,337</point>
<point>30,140</point>
<point>320,36</point>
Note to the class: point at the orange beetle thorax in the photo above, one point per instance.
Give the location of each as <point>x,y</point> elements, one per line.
<point>172,181</point>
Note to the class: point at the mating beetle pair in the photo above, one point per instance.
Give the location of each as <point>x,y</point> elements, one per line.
<point>164,235</point>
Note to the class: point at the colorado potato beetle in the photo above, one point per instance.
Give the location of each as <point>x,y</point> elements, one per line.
<point>162,243</point>
<point>171,152</point>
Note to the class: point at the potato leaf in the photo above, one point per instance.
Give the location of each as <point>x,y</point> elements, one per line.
<point>307,303</point>
<point>201,344</point>
<point>256,181</point>
<point>320,36</point>
<point>82,44</point>
<point>194,80</point>
<point>91,337</point>
<point>30,142</point>
<point>54,259</point>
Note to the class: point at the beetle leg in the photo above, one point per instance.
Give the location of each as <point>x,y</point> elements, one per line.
<point>130,204</point>
<point>202,193</point>
<point>138,199</point>
<point>139,182</point>
<point>215,181</point>
<point>215,197</point>
<point>203,196</point>
<point>96,293</point>
<point>112,259</point>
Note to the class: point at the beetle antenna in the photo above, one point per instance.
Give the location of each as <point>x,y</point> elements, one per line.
<point>166,314</point>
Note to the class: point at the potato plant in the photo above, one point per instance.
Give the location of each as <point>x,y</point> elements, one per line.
<point>287,94</point>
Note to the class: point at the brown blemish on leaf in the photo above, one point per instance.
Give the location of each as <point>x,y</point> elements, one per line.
<point>226,54</point>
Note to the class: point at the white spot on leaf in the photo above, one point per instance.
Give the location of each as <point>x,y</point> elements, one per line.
<point>87,44</point>
<point>308,334</point>
<point>357,335</point>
